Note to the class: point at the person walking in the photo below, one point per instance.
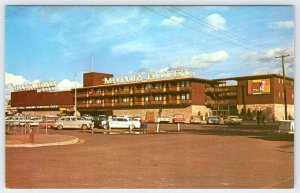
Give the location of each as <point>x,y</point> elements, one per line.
<point>263,119</point>
<point>258,116</point>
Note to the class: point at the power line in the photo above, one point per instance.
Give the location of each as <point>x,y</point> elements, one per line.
<point>195,29</point>
<point>226,33</point>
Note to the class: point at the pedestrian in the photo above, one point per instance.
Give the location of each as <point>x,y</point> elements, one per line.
<point>263,119</point>
<point>258,118</point>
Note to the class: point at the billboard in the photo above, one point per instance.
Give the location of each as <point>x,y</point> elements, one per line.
<point>259,86</point>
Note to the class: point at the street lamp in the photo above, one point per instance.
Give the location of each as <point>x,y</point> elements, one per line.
<point>75,102</point>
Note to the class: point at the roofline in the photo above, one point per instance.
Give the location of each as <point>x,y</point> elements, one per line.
<point>253,76</point>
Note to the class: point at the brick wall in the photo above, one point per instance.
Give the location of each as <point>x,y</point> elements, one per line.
<point>168,112</point>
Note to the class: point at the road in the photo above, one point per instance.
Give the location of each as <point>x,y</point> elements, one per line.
<point>197,157</point>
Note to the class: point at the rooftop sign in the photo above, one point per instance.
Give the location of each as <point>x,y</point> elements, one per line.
<point>39,86</point>
<point>150,76</point>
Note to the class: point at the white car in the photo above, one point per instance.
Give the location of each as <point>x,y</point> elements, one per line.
<point>286,127</point>
<point>35,121</point>
<point>16,120</point>
<point>163,120</point>
<point>122,122</point>
<point>73,122</point>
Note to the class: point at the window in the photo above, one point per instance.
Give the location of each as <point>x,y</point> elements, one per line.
<point>90,101</point>
<point>292,96</point>
<point>116,100</point>
<point>279,94</point>
<point>158,85</point>
<point>147,98</point>
<point>278,80</point>
<point>91,91</point>
<point>185,83</point>
<point>98,101</point>
<point>116,89</point>
<point>98,90</point>
<point>126,99</point>
<point>185,96</point>
<point>83,101</point>
<point>148,86</point>
<point>126,88</point>
<point>158,98</point>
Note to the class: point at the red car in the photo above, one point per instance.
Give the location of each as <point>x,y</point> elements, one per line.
<point>178,118</point>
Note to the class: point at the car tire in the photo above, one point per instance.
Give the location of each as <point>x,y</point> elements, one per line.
<point>105,126</point>
<point>84,127</point>
<point>131,127</point>
<point>59,127</point>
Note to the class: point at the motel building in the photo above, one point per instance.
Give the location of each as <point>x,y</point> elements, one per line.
<point>174,92</point>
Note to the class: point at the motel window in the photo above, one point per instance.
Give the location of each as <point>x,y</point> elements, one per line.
<point>185,96</point>
<point>116,89</point>
<point>148,86</point>
<point>292,83</point>
<point>83,101</point>
<point>278,80</point>
<point>147,98</point>
<point>126,99</point>
<point>98,90</point>
<point>185,83</point>
<point>158,85</point>
<point>158,98</point>
<point>90,101</point>
<point>292,96</point>
<point>279,94</point>
<point>126,88</point>
<point>91,91</point>
<point>116,100</point>
<point>98,101</point>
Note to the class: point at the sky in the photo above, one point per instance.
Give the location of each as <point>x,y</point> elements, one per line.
<point>44,43</point>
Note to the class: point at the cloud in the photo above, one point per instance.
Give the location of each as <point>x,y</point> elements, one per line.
<point>269,56</point>
<point>202,61</point>
<point>267,63</point>
<point>14,79</point>
<point>217,21</point>
<point>172,21</point>
<point>282,25</point>
<point>68,85</point>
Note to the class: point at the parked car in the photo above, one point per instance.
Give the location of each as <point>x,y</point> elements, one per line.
<point>97,121</point>
<point>35,121</point>
<point>48,120</point>
<point>195,119</point>
<point>73,122</point>
<point>16,120</point>
<point>233,120</point>
<point>122,122</point>
<point>178,118</point>
<point>163,120</point>
<point>213,120</point>
<point>286,127</point>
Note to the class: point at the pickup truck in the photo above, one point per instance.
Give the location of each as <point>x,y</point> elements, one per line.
<point>73,122</point>
<point>121,122</point>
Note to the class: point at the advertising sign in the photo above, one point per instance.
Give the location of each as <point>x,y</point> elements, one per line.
<point>259,86</point>
<point>150,76</point>
<point>39,86</point>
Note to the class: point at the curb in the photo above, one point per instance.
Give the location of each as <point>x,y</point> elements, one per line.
<point>70,142</point>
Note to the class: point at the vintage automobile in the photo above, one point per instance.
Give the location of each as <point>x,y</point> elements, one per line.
<point>163,119</point>
<point>17,120</point>
<point>73,122</point>
<point>99,121</point>
<point>233,120</point>
<point>178,118</point>
<point>35,121</point>
<point>48,120</point>
<point>286,127</point>
<point>121,122</point>
<point>213,120</point>
<point>195,119</point>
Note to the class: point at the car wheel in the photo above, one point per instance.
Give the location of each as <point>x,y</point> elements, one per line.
<point>131,126</point>
<point>105,126</point>
<point>59,127</point>
<point>84,127</point>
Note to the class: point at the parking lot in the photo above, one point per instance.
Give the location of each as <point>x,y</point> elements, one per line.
<point>199,156</point>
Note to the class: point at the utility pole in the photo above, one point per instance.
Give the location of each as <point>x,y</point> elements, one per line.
<point>284,89</point>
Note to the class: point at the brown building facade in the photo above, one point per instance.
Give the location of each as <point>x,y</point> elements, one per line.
<point>172,94</point>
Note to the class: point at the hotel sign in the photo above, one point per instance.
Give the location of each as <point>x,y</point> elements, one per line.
<point>149,76</point>
<point>39,86</point>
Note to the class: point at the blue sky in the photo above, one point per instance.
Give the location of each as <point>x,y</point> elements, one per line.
<point>53,42</point>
